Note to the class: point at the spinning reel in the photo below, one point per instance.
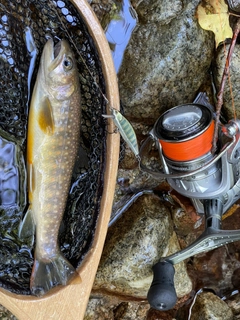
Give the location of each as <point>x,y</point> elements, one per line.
<point>183,136</point>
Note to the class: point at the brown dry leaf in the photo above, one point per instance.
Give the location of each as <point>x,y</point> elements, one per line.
<point>213,15</point>
<point>231,211</point>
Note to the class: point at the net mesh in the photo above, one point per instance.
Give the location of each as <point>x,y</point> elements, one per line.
<point>25,26</point>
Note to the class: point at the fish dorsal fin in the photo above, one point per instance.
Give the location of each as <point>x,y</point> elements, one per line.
<point>45,117</point>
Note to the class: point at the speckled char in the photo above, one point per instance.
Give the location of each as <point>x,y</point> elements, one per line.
<point>54,125</point>
<point>58,156</point>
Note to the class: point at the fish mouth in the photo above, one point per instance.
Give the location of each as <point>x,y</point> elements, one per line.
<point>53,54</point>
<point>57,49</point>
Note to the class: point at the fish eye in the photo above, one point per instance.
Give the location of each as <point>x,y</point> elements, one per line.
<point>68,63</point>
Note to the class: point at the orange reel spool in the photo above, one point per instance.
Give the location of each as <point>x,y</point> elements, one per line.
<point>191,149</point>
<point>185,132</point>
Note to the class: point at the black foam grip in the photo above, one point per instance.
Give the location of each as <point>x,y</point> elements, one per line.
<point>162,294</point>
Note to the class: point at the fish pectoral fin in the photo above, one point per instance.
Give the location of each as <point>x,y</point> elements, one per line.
<point>27,227</point>
<point>45,116</point>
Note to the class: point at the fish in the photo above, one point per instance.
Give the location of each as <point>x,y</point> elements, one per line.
<point>52,146</point>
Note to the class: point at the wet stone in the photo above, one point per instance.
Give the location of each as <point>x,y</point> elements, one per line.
<point>108,307</point>
<point>157,11</point>
<point>208,306</point>
<point>219,269</point>
<point>103,9</point>
<point>234,303</point>
<point>131,310</point>
<point>100,308</point>
<point>185,218</point>
<point>132,180</point>
<point>161,315</point>
<point>133,245</point>
<point>166,60</point>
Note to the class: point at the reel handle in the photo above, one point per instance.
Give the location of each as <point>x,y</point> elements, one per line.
<point>162,295</point>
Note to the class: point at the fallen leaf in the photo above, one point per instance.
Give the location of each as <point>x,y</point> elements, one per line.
<point>213,15</point>
<point>231,211</point>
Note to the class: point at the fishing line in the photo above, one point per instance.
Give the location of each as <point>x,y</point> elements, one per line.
<point>193,302</point>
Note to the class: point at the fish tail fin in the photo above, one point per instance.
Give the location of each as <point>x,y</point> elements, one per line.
<point>48,273</point>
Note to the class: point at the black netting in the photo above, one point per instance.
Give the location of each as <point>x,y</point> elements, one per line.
<point>23,23</point>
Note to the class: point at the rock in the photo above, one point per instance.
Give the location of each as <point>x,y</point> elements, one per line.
<point>128,159</point>
<point>208,306</point>
<point>106,307</point>
<point>100,308</point>
<point>185,217</point>
<point>161,315</point>
<point>219,269</point>
<point>103,10</point>
<point>209,267</point>
<point>157,11</point>
<point>132,180</point>
<point>234,303</point>
<point>166,61</point>
<point>228,97</point>
<point>133,245</point>
<point>131,310</point>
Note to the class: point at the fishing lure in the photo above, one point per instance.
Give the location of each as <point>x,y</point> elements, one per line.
<point>126,130</point>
